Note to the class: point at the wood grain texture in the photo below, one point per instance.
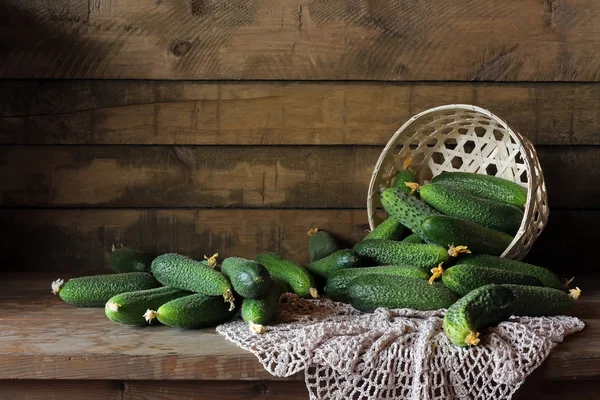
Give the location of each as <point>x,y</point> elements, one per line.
<point>512,40</point>
<point>59,390</point>
<point>223,390</point>
<point>80,240</point>
<point>44,338</point>
<point>236,176</point>
<point>558,390</point>
<point>204,113</point>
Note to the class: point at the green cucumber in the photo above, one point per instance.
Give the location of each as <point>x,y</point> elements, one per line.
<point>406,208</point>
<point>129,308</point>
<point>249,278</point>
<point>412,238</point>
<point>391,229</point>
<point>260,311</point>
<point>182,272</point>
<point>464,278</point>
<point>192,312</point>
<point>445,231</point>
<point>389,252</point>
<point>125,259</point>
<point>320,244</point>
<point>547,277</point>
<point>338,281</point>
<point>402,177</point>
<point>95,291</point>
<point>486,186</point>
<point>341,259</point>
<point>459,203</point>
<point>535,301</point>
<point>296,277</point>
<point>478,310</point>
<point>369,292</point>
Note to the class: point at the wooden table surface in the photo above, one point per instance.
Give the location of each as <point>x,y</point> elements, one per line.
<point>41,337</point>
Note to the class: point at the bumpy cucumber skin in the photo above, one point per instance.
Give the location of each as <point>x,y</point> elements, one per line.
<point>488,187</point>
<point>403,176</point>
<point>95,291</point>
<point>462,279</point>
<point>535,301</point>
<point>389,252</point>
<point>338,282</point>
<point>390,229</point>
<point>262,309</point>
<point>125,259</point>
<point>194,311</point>
<point>133,305</point>
<point>547,277</point>
<point>295,276</point>
<point>459,203</point>
<point>407,209</point>
<point>249,278</point>
<point>368,292</point>
<point>339,260</point>
<point>479,309</point>
<point>413,238</point>
<point>320,245</point>
<point>182,272</point>
<point>444,231</point>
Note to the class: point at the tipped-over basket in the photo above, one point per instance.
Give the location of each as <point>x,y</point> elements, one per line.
<point>461,137</point>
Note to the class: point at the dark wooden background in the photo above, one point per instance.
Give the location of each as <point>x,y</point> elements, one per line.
<point>205,126</point>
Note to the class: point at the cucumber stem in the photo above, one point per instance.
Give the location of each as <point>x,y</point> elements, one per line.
<point>257,329</point>
<point>437,272</point>
<point>313,231</point>
<point>212,260</point>
<point>228,296</point>
<point>149,315</point>
<point>472,338</point>
<point>112,306</point>
<point>455,251</point>
<point>314,292</point>
<point>56,285</point>
<point>569,281</point>
<point>575,293</point>
<point>414,187</point>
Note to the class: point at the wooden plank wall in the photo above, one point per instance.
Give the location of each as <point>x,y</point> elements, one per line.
<point>200,126</point>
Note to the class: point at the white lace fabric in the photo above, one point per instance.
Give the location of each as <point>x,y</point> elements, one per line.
<point>396,354</point>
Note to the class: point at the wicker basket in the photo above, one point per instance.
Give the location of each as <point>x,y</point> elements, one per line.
<point>460,137</point>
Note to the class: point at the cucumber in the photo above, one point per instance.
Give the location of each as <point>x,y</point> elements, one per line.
<point>320,244</point>
<point>192,312</point>
<point>539,301</point>
<point>182,272</point>
<point>459,203</point>
<point>445,231</point>
<point>547,277</point>
<point>95,291</point>
<point>391,229</point>
<point>389,252</point>
<point>368,292</point>
<point>296,277</point>
<point>486,186</point>
<point>413,238</point>
<point>479,309</point>
<point>129,308</point>
<point>258,312</point>
<point>464,278</point>
<point>341,259</point>
<point>410,211</point>
<point>338,281</point>
<point>249,278</point>
<point>403,176</point>
<point>125,259</point>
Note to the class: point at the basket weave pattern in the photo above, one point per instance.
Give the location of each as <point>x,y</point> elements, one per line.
<point>465,138</point>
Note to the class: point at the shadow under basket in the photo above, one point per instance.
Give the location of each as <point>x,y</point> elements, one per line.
<point>462,137</point>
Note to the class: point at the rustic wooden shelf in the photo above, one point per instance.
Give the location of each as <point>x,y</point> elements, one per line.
<point>44,338</point>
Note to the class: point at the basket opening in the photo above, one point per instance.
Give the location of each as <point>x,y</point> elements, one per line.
<point>480,131</point>
<point>438,158</point>
<point>468,146</point>
<point>491,169</point>
<point>498,135</point>
<point>523,177</point>
<point>456,162</point>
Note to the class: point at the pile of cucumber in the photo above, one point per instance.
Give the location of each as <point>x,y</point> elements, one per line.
<point>454,227</point>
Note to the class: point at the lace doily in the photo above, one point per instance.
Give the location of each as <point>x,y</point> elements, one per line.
<point>396,354</point>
